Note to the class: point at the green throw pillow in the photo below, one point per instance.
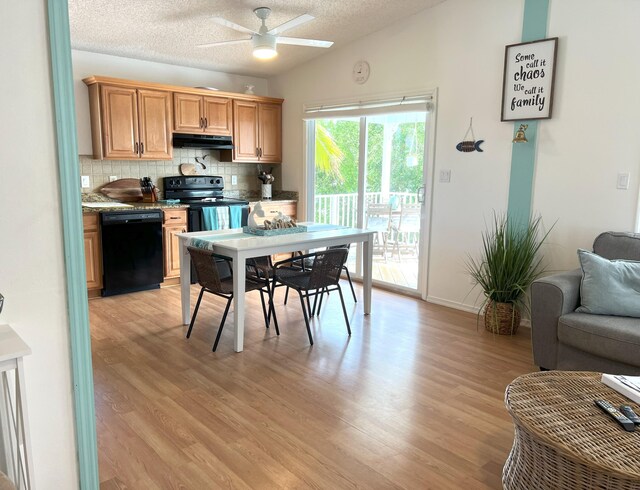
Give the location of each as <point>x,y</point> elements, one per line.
<point>609,287</point>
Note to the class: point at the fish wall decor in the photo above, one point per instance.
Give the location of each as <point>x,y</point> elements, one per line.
<point>466,145</point>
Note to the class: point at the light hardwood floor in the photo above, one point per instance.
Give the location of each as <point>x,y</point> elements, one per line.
<point>413,399</point>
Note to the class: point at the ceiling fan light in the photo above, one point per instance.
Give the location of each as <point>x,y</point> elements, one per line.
<point>264,47</point>
<point>264,53</point>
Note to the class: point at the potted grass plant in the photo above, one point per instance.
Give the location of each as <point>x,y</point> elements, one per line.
<point>509,262</point>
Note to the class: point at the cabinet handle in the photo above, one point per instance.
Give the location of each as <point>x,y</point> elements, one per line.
<point>136,148</point>
<point>257,152</point>
<point>174,217</point>
<point>260,153</point>
<point>141,148</point>
<point>206,123</point>
<point>201,122</point>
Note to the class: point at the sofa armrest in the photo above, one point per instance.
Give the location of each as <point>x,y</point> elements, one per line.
<point>551,297</point>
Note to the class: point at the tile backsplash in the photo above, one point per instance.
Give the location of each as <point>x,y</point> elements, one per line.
<point>99,171</point>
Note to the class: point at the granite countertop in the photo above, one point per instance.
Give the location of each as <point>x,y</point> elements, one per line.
<point>111,205</point>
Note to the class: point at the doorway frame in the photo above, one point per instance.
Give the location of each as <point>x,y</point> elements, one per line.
<point>72,228</point>
<point>429,151</point>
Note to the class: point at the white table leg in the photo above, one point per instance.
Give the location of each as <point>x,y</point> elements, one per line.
<point>367,272</point>
<point>185,282</point>
<point>239,275</point>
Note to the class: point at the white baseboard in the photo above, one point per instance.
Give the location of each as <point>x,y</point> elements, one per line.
<point>525,322</point>
<point>452,304</point>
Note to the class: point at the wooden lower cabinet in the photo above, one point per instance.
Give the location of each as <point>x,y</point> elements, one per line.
<point>271,209</point>
<point>92,253</point>
<point>175,221</point>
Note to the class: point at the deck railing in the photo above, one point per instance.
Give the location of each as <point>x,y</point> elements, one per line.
<point>341,209</point>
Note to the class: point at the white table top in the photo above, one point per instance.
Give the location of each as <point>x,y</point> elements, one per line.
<point>11,345</point>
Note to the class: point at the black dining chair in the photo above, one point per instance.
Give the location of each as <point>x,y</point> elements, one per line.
<point>322,277</point>
<point>210,281</point>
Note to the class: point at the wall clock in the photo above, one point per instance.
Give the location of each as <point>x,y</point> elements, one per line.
<point>361,72</point>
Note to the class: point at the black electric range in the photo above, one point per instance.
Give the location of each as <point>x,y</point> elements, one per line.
<point>199,191</point>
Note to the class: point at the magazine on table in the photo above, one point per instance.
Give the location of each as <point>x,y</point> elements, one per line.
<point>629,386</point>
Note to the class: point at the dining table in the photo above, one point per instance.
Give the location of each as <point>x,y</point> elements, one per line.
<point>239,245</point>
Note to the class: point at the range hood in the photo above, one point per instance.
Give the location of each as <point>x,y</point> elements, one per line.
<point>204,141</point>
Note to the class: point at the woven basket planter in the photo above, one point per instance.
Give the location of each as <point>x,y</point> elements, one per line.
<point>501,318</point>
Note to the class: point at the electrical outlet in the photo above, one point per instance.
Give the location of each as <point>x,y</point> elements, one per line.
<point>86,182</point>
<point>445,176</point>
<point>623,180</point>
<point>113,178</point>
<point>234,180</point>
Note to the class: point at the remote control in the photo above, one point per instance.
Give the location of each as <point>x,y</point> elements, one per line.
<point>628,412</point>
<point>615,414</point>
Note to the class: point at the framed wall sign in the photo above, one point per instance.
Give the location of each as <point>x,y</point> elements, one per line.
<point>529,72</point>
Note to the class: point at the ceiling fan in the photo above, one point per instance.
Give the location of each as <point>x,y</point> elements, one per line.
<point>264,40</point>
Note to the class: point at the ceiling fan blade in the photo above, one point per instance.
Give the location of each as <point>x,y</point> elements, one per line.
<point>303,19</point>
<point>304,42</point>
<point>233,25</point>
<point>220,43</point>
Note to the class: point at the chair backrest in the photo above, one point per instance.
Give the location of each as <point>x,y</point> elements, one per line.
<point>205,263</point>
<point>327,267</point>
<point>410,217</point>
<point>378,216</point>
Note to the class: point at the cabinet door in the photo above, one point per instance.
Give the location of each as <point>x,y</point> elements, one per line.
<point>119,122</point>
<point>245,131</point>
<point>155,124</point>
<point>217,116</point>
<point>172,249</point>
<point>270,132</point>
<point>92,251</point>
<point>188,113</point>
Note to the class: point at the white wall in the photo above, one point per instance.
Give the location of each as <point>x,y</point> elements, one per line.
<point>86,64</point>
<point>458,46</point>
<point>32,276</point>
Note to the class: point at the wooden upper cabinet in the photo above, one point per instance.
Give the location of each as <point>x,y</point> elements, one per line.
<point>119,122</point>
<point>270,132</point>
<point>245,131</point>
<point>187,110</point>
<point>154,109</point>
<point>257,132</point>
<point>130,123</point>
<point>200,114</point>
<point>217,116</point>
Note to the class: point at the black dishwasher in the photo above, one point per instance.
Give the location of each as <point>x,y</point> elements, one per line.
<point>131,250</point>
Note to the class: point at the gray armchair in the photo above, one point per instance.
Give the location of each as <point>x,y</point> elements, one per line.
<point>565,339</point>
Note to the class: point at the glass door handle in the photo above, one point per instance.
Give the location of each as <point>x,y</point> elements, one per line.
<point>420,193</point>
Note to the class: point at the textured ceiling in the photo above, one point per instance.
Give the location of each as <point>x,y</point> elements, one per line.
<point>168,31</point>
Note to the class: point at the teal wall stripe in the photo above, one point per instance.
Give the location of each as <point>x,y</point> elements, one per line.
<point>523,156</point>
<point>77,303</point>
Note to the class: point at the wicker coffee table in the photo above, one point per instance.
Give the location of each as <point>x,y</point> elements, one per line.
<point>563,441</point>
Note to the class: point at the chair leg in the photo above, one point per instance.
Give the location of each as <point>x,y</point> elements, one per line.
<point>264,309</point>
<point>272,308</point>
<point>224,317</point>
<point>346,269</point>
<point>322,293</point>
<point>311,312</point>
<point>195,313</point>
<point>286,295</point>
<point>344,310</point>
<point>306,318</point>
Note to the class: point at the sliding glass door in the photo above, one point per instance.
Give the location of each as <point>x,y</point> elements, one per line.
<point>369,172</point>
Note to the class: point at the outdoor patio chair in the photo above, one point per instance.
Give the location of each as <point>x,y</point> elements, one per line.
<point>405,235</point>
<point>378,219</point>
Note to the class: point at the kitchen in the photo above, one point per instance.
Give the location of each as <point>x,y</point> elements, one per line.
<point>237,135</point>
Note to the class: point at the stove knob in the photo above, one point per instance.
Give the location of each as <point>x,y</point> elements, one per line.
<point>218,181</point>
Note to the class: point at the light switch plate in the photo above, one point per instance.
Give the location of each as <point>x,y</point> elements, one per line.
<point>234,180</point>
<point>445,176</point>
<point>86,182</point>
<point>113,178</point>
<point>623,180</point>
